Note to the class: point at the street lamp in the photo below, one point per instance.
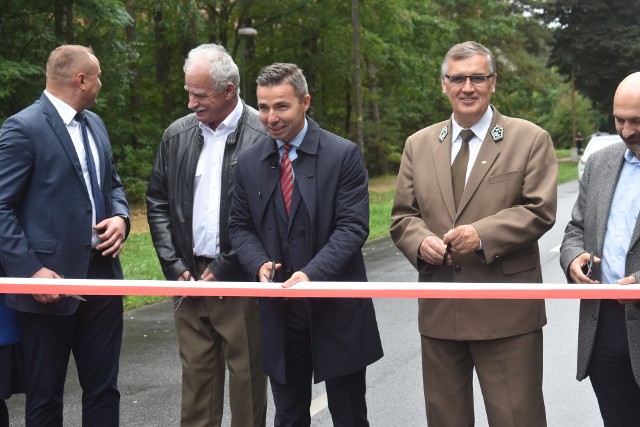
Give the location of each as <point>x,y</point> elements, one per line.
<point>245,33</point>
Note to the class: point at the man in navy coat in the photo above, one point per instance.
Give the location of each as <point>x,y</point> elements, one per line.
<point>63,213</point>
<point>313,231</point>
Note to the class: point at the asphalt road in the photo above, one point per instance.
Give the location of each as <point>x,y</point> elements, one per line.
<point>150,369</point>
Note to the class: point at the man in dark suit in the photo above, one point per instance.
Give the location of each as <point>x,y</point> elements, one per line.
<point>306,220</point>
<point>604,236</point>
<point>477,218</point>
<point>63,213</point>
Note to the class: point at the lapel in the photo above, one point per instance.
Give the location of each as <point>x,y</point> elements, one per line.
<point>304,168</point>
<point>60,130</point>
<point>269,173</point>
<point>442,158</point>
<point>487,155</point>
<point>635,237</point>
<point>606,180</point>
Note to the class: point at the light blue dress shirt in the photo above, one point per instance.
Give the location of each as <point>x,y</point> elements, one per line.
<point>622,220</point>
<point>295,142</point>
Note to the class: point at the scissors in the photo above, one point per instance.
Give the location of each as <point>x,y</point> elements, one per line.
<point>446,254</point>
<point>272,277</point>
<point>589,267</point>
<point>178,301</point>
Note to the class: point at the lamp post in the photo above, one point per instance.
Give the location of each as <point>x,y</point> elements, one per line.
<point>245,33</point>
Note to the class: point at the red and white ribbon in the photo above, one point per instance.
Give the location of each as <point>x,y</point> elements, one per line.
<point>321,289</point>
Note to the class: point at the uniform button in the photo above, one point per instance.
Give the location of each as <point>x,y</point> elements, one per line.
<point>291,241</point>
<point>269,228</point>
<point>457,268</point>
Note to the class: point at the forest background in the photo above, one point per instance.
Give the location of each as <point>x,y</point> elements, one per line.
<point>373,66</point>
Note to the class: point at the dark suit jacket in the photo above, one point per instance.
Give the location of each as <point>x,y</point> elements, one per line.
<point>332,181</point>
<point>585,233</point>
<point>45,210</point>
<point>510,199</point>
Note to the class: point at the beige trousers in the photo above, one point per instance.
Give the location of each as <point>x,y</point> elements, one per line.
<point>509,371</point>
<point>212,331</point>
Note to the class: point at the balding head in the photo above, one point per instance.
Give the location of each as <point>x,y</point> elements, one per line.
<point>626,111</point>
<point>73,76</point>
<point>67,61</point>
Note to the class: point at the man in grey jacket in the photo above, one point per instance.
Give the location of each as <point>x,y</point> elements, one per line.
<point>601,245</point>
<point>188,202</point>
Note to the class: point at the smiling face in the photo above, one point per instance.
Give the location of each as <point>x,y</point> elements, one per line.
<point>469,102</point>
<point>211,107</point>
<point>281,111</point>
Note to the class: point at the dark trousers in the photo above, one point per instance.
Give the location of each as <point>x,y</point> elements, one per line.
<point>345,395</point>
<point>94,334</point>
<point>610,369</point>
<point>4,414</point>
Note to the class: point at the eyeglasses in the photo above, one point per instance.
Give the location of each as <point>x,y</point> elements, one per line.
<point>476,79</point>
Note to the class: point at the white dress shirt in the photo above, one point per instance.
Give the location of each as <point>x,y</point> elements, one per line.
<point>208,184</point>
<point>480,129</point>
<point>67,113</point>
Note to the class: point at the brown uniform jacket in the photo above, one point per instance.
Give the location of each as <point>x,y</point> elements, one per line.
<point>510,198</point>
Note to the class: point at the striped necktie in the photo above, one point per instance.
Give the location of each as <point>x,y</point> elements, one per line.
<point>286,177</point>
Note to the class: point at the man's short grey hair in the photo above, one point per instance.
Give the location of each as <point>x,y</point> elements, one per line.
<point>466,50</point>
<point>279,73</point>
<point>221,67</point>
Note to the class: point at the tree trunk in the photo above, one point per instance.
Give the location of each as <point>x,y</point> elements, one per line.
<point>162,58</point>
<point>134,86</point>
<point>357,84</point>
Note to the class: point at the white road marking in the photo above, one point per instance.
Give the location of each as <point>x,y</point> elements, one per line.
<point>318,404</point>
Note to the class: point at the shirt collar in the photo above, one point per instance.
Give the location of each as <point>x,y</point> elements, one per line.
<point>630,157</point>
<point>480,128</point>
<point>298,138</point>
<point>67,113</point>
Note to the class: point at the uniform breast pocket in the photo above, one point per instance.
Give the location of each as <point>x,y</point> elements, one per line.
<point>506,176</point>
<point>505,189</point>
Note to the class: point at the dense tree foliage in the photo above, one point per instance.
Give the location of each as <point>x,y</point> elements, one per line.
<point>597,41</point>
<point>141,45</point>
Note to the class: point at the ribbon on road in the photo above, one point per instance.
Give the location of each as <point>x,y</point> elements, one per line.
<point>321,289</point>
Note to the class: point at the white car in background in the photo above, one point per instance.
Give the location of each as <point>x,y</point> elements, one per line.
<point>597,142</point>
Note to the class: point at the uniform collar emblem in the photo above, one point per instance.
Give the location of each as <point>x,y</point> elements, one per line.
<point>497,133</point>
<point>443,133</point>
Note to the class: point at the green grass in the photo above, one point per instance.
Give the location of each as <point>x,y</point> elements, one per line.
<point>380,212</point>
<point>567,171</point>
<point>139,260</point>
